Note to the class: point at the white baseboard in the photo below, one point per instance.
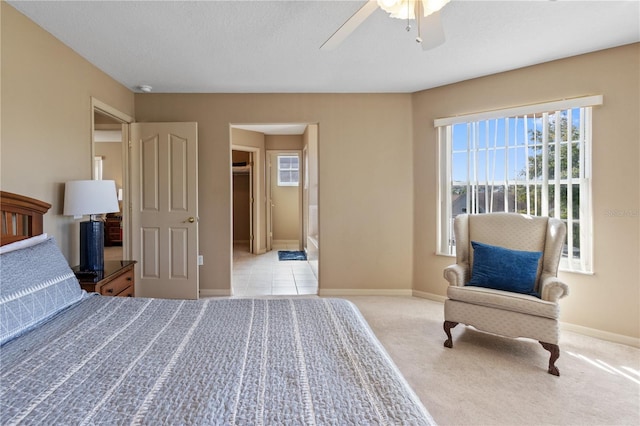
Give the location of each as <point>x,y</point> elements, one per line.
<point>430,296</point>
<point>285,244</point>
<point>205,292</point>
<point>341,292</point>
<point>599,334</point>
<point>586,331</point>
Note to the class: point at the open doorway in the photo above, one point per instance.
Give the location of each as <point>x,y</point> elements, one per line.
<point>109,128</point>
<point>284,200</point>
<point>280,219</point>
<point>242,182</point>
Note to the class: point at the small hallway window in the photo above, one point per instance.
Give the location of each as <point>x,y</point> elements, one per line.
<point>288,170</point>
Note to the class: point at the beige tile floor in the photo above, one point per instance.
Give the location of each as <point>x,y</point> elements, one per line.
<point>265,275</point>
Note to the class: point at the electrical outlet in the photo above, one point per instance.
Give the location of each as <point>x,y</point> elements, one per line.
<point>200,260</point>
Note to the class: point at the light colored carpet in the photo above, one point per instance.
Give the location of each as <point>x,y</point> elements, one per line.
<point>490,380</point>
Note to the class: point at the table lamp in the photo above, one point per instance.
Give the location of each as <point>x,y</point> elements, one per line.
<point>90,197</point>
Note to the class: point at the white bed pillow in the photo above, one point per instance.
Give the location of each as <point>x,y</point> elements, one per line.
<point>37,283</point>
<point>32,241</point>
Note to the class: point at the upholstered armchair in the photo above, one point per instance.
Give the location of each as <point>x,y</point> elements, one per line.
<point>505,278</point>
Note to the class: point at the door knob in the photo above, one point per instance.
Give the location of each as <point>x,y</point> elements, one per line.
<point>191,219</point>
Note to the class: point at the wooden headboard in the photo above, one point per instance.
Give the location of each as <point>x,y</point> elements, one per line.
<point>21,217</point>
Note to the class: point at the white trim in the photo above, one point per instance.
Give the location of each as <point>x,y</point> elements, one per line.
<point>585,101</point>
<point>205,292</point>
<point>341,292</point>
<point>109,110</point>
<point>600,334</point>
<point>284,244</point>
<point>429,296</point>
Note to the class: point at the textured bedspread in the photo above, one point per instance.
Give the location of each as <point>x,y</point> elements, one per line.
<point>109,360</point>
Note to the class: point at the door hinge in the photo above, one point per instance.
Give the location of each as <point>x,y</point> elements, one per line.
<point>130,144</point>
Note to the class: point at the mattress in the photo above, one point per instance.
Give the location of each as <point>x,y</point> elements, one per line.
<point>109,360</point>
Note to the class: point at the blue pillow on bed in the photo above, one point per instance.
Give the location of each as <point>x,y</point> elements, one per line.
<point>37,283</point>
<point>500,268</point>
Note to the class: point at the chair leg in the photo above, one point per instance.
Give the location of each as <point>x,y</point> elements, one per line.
<point>448,325</point>
<point>555,354</point>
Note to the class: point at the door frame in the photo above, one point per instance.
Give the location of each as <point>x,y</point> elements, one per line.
<point>256,197</point>
<point>273,153</point>
<point>250,165</point>
<point>125,120</point>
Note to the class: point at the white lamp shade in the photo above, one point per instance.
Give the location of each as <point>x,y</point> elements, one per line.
<point>86,197</point>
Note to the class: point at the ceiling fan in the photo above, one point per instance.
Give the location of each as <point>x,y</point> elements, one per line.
<point>430,30</point>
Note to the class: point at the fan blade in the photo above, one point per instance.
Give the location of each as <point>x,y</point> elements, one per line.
<point>431,31</point>
<point>348,27</point>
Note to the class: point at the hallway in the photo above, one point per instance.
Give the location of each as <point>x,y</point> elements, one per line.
<point>265,275</point>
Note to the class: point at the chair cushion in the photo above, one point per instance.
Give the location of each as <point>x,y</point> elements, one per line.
<point>505,300</point>
<point>504,269</point>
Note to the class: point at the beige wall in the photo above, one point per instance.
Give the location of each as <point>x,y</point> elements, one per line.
<point>283,142</point>
<point>366,205</point>
<point>609,299</point>
<point>46,118</point>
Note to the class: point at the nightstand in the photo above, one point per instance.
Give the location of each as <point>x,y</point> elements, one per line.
<point>117,279</point>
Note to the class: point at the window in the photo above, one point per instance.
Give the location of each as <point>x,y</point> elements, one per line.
<point>533,160</point>
<point>288,170</point>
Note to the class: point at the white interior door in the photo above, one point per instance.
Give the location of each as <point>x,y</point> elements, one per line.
<point>164,207</point>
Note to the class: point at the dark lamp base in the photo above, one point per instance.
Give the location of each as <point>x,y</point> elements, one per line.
<point>91,246</point>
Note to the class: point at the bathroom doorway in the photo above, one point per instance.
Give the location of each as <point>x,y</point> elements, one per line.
<point>277,150</point>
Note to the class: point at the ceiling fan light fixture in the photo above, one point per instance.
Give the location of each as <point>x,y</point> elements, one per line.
<point>405,9</point>
<point>432,6</point>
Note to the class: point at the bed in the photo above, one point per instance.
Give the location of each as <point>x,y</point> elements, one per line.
<point>69,357</point>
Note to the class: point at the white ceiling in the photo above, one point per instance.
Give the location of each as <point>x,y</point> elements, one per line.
<point>273,46</point>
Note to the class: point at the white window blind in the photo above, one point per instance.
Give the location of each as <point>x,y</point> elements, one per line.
<point>533,160</point>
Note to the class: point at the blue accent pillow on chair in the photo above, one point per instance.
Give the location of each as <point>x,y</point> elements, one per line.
<point>500,268</point>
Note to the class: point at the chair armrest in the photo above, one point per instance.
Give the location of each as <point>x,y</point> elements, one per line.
<point>456,274</point>
<point>552,289</point>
